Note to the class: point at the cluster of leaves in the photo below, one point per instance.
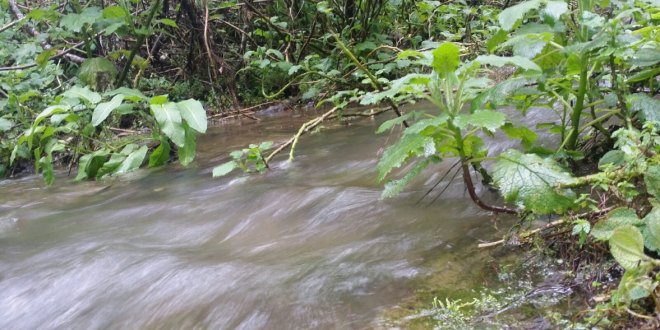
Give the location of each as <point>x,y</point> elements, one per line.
<point>77,120</point>
<point>243,158</point>
<point>561,59</point>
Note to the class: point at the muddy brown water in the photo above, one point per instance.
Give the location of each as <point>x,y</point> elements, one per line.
<point>308,245</point>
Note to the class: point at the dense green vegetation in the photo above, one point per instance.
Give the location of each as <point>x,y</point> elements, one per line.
<point>107,84</point>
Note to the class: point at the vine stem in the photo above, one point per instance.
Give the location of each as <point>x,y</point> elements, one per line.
<point>138,44</point>
<point>367,72</point>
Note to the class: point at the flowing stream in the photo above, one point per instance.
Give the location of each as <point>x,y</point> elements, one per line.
<point>308,245</point>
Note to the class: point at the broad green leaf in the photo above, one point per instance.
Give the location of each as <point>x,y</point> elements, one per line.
<point>498,94</point>
<point>160,99</point>
<point>411,83</point>
<point>392,122</point>
<point>97,72</point>
<point>43,115</point>
<point>553,11</point>
<point>618,217</point>
<point>132,161</point>
<point>113,12</point>
<point>5,124</point>
<point>527,136</point>
<point>103,110</point>
<point>446,59</point>
<point>573,65</point>
<point>43,58</point>
<point>187,152</point>
<point>68,117</point>
<point>367,45</point>
<point>646,57</point>
<point>426,127</point>
<point>487,119</point>
<point>651,231</point>
<point>129,94</point>
<point>161,154</point>
<point>648,107</point>
<point>634,285</point>
<point>75,22</point>
<point>294,69</point>
<point>310,93</point>
<point>169,22</point>
<point>193,112</point>
<point>612,157</point>
<point>168,117</point>
<point>395,155</point>
<point>265,145</point>
<point>627,246</point>
<point>509,17</point>
<point>224,169</point>
<point>652,180</point>
<point>95,164</point>
<point>83,163</point>
<point>496,40</point>
<point>500,61</point>
<point>83,93</point>
<point>394,187</point>
<point>47,169</point>
<point>531,182</point>
<point>275,52</point>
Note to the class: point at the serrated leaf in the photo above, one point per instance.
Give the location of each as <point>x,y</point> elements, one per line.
<point>392,122</point>
<point>509,17</point>
<point>394,187</point>
<point>618,217</point>
<point>652,180</point>
<point>75,22</point>
<point>531,182</point>
<point>446,59</point>
<point>527,136</point>
<point>161,154</point>
<point>132,161</point>
<point>627,246</point>
<point>395,155</point>
<point>426,127</point>
<point>103,110</point>
<point>646,57</point>
<point>553,11</point>
<point>498,94</point>
<point>169,119</point>
<point>83,93</point>
<point>224,169</point>
<point>187,152</point>
<point>487,119</point>
<point>411,83</point>
<point>193,112</point>
<point>648,107</point>
<point>651,231</point>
